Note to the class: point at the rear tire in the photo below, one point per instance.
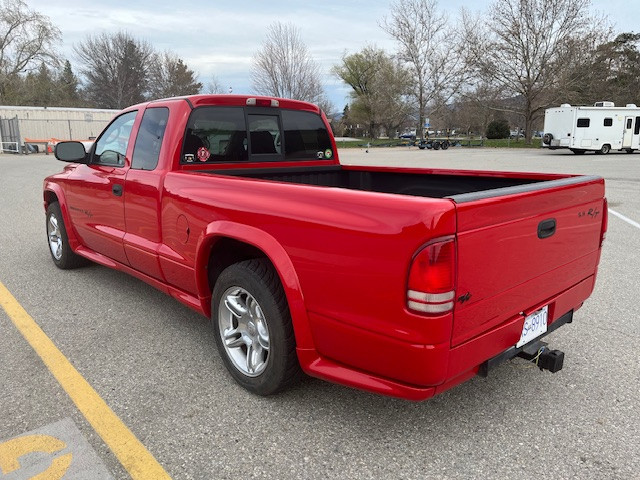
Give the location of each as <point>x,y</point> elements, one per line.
<point>606,148</point>
<point>629,150</point>
<point>577,151</point>
<point>436,145</point>
<point>61,253</point>
<point>445,144</point>
<point>253,329</point>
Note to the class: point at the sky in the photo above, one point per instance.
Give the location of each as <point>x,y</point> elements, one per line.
<point>219,38</point>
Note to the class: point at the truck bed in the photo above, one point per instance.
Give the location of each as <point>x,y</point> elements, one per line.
<point>399,181</point>
<point>498,216</point>
<point>415,182</point>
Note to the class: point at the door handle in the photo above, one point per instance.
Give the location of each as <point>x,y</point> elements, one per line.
<point>546,228</point>
<point>117,190</point>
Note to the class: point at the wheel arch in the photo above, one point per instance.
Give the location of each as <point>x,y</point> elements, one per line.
<point>53,193</point>
<point>224,243</point>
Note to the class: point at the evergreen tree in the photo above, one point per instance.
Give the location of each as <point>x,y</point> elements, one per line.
<point>67,87</point>
<point>169,76</point>
<point>37,88</point>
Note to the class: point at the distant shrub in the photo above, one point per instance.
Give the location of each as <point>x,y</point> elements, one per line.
<point>498,129</point>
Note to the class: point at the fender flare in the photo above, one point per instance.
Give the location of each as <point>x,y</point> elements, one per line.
<point>50,187</point>
<point>278,257</point>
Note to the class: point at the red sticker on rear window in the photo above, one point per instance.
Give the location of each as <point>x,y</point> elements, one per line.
<point>203,154</point>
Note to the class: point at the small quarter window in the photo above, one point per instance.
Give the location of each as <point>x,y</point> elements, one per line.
<point>147,148</point>
<point>629,122</point>
<point>608,122</point>
<point>583,122</point>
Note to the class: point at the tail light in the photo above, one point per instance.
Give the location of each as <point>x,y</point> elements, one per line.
<point>605,222</point>
<point>431,287</point>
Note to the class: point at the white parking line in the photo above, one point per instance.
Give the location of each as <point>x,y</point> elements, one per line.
<point>622,217</point>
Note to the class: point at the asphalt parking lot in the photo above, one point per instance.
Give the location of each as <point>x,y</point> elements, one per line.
<point>154,363</point>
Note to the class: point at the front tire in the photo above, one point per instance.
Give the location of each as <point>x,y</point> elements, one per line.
<point>605,149</point>
<point>61,253</point>
<point>253,328</point>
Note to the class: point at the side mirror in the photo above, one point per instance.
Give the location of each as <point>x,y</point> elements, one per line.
<point>71,152</point>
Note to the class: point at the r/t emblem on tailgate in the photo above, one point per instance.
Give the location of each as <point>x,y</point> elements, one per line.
<point>464,298</point>
<point>592,212</point>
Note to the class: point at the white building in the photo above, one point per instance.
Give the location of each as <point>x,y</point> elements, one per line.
<point>46,123</point>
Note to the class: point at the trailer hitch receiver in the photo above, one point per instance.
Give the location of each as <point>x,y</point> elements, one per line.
<point>545,358</point>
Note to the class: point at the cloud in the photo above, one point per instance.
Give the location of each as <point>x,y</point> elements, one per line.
<point>219,38</point>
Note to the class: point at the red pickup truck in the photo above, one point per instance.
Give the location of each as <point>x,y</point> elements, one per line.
<point>399,281</point>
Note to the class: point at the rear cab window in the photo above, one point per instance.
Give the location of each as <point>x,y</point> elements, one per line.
<point>222,135</point>
<point>305,136</point>
<point>214,135</point>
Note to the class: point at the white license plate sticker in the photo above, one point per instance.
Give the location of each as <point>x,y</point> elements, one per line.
<point>534,326</point>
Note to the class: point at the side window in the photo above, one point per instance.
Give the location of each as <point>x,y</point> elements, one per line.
<point>147,148</point>
<point>264,134</point>
<point>629,122</point>
<point>215,134</point>
<point>608,122</point>
<point>111,147</point>
<point>583,122</point>
<point>305,136</point>
<point>636,131</point>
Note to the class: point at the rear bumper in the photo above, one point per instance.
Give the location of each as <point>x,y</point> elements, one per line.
<point>512,352</point>
<point>418,372</point>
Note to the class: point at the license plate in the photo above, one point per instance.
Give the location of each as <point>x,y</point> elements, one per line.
<point>534,326</point>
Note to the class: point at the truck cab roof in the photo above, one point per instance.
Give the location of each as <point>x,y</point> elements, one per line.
<point>196,101</point>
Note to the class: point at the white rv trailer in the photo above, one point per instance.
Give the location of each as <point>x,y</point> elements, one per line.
<point>601,128</point>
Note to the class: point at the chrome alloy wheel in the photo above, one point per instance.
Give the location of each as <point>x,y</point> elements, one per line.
<point>55,237</point>
<point>244,331</point>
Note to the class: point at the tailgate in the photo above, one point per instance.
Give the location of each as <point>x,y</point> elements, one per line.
<point>520,246</point>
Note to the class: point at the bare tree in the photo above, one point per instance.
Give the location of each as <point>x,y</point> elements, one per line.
<point>430,47</point>
<point>116,68</point>
<point>214,86</point>
<point>27,39</point>
<point>283,67</point>
<point>169,76</point>
<point>526,49</point>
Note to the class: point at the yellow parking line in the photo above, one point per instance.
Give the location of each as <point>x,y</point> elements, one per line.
<point>132,454</point>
